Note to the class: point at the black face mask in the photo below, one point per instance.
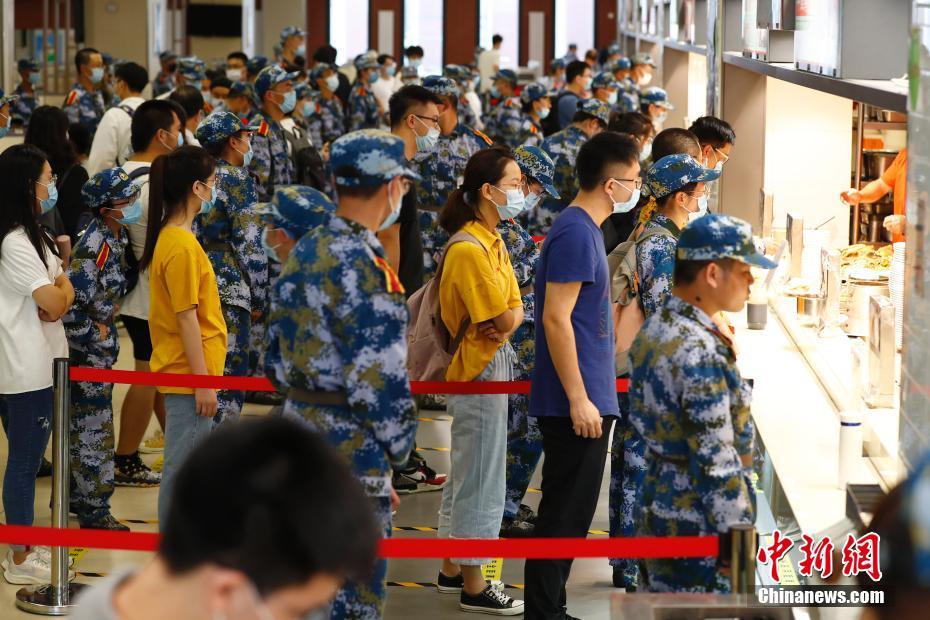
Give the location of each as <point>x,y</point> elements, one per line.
<point>172,68</point>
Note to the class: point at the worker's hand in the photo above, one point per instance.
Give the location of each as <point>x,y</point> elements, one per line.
<point>205,402</point>
<point>895,224</point>
<point>851,196</point>
<point>586,419</point>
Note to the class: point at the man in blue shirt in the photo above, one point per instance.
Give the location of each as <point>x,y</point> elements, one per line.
<point>577,86</point>
<point>574,397</point>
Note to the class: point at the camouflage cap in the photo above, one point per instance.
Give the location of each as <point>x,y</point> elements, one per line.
<point>715,237</point>
<point>29,64</point>
<point>302,90</point>
<point>656,96</point>
<point>269,77</point>
<point>319,69</point>
<point>219,126</point>
<point>297,209</point>
<point>256,64</point>
<point>673,172</point>
<point>457,72</point>
<point>508,75</point>
<point>292,31</point>
<point>192,68</point>
<point>368,157</point>
<point>621,64</point>
<point>642,59</point>
<point>558,63</point>
<point>244,89</point>
<point>596,108</point>
<point>167,55</point>
<point>107,58</point>
<point>7,99</point>
<point>613,48</point>
<point>605,79</point>
<point>441,86</point>
<point>106,186</point>
<point>535,164</point>
<point>364,61</point>
<point>533,92</point>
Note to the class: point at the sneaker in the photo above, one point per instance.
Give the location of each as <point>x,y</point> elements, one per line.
<point>515,528</point>
<point>491,601</point>
<point>433,402</point>
<point>106,522</point>
<point>132,472</point>
<point>153,445</point>
<point>525,513</point>
<point>450,585</point>
<point>36,569</point>
<point>419,479</point>
<point>46,552</point>
<point>45,468</point>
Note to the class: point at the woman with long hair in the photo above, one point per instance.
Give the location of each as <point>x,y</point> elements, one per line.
<point>185,316</point>
<point>34,294</point>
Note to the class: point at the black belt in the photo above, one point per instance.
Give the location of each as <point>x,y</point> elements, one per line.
<point>526,290</point>
<point>217,246</point>
<point>317,398</point>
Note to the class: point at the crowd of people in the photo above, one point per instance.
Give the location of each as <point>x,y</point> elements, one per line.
<point>292,218</point>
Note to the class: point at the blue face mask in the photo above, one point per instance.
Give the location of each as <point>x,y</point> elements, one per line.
<point>96,75</point>
<point>270,250</point>
<point>132,214</point>
<point>391,70</point>
<point>515,204</point>
<point>392,216</point>
<point>207,205</point>
<point>544,113</point>
<point>373,77</point>
<point>612,98</point>
<point>49,203</point>
<point>290,102</point>
<point>495,92</point>
<point>35,77</point>
<point>702,210</point>
<point>306,109</point>
<point>625,207</point>
<point>302,50</point>
<point>532,200</point>
<point>246,157</point>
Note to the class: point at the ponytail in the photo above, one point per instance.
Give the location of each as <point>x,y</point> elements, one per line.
<point>170,181</point>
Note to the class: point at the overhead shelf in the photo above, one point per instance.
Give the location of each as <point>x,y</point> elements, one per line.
<point>880,93</point>
<point>684,47</point>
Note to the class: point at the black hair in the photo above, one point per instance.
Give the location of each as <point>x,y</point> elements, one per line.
<point>605,149</point>
<point>189,98</point>
<point>687,271</point>
<point>675,141</point>
<point>221,81</point>
<point>82,57</point>
<point>485,166</point>
<point>574,69</point>
<point>497,39</point>
<point>48,131</point>
<point>325,53</point>
<point>580,117</point>
<point>634,123</point>
<point>151,116</point>
<point>414,50</point>
<point>572,46</point>
<point>80,138</point>
<point>384,57</point>
<point>239,56</point>
<point>291,511</point>
<point>135,75</point>
<point>170,181</point>
<point>408,96</point>
<point>713,131</point>
<point>20,167</point>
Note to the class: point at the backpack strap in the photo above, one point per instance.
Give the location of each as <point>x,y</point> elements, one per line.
<point>139,172</point>
<point>125,108</point>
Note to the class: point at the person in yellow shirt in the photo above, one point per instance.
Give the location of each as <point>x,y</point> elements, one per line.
<point>185,317</point>
<point>478,293</point>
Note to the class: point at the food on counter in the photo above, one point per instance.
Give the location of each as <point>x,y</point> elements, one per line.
<point>799,287</point>
<point>866,256</point>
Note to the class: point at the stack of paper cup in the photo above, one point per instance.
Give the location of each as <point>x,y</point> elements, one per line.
<point>896,289</point>
<point>850,447</point>
<point>811,262</point>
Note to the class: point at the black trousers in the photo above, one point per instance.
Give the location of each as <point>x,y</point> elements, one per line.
<point>571,483</point>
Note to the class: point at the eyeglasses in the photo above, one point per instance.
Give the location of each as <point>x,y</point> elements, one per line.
<point>725,157</point>
<point>433,119</point>
<point>53,181</point>
<point>699,194</point>
<point>637,182</point>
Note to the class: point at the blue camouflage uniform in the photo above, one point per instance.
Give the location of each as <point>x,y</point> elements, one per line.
<point>562,147</point>
<point>164,82</point>
<point>514,127</point>
<point>364,112</point>
<point>524,441</point>
<point>462,77</point>
<point>491,99</point>
<point>231,236</point>
<point>337,334</point>
<point>271,165</point>
<point>98,275</point>
<point>27,102</point>
<point>692,408</point>
<point>84,107</point>
<point>327,120</point>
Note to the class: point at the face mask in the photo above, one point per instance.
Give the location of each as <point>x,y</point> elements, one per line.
<point>515,204</point>
<point>332,82</point>
<point>415,63</point>
<point>246,157</point>
<point>612,98</point>
<point>495,92</point>
<point>392,216</point>
<point>391,70</point>
<point>544,112</point>
<point>532,199</point>
<point>306,109</point>
<point>96,75</point>
<point>195,83</point>
<point>49,203</point>
<point>234,75</point>
<point>429,141</point>
<point>661,117</point>
<point>625,207</point>
<point>270,250</point>
<point>207,205</point>
<point>701,212</point>
<point>290,102</point>
<point>131,214</point>
<point>645,79</point>
<point>646,152</point>
<point>373,77</point>
<point>35,77</point>
<point>301,50</point>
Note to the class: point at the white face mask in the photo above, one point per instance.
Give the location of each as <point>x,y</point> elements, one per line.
<point>645,79</point>
<point>646,152</point>
<point>701,211</point>
<point>612,98</point>
<point>630,204</point>
<point>332,82</point>
<point>234,75</point>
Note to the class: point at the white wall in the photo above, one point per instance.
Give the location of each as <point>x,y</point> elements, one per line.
<point>275,15</point>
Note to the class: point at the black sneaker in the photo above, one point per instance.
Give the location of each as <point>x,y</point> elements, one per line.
<point>525,513</point>
<point>418,479</point>
<point>514,528</point>
<point>622,581</point>
<point>450,585</point>
<point>491,601</point>
<point>130,471</point>
<point>45,468</point>
<point>106,522</point>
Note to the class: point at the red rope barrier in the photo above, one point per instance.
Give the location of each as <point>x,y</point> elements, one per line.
<point>261,384</point>
<point>538,548</point>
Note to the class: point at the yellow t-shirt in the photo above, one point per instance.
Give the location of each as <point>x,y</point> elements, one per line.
<point>481,285</point>
<point>181,278</point>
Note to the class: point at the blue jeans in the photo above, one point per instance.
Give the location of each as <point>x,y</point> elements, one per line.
<point>184,430</point>
<point>29,423</point>
<point>473,498</point>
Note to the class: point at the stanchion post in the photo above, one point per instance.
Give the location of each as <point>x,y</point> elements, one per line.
<point>743,558</point>
<point>57,598</point>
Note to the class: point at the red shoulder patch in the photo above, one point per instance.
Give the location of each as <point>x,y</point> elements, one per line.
<point>72,97</point>
<point>391,281</point>
<point>102,255</point>
<point>533,128</point>
<point>487,140</point>
<point>263,129</point>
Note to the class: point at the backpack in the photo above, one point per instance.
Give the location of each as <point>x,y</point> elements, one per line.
<point>550,124</point>
<point>308,165</point>
<point>130,264</point>
<point>430,346</point>
<point>628,316</point>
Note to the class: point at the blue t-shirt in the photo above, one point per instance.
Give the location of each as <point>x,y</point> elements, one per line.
<point>568,105</point>
<point>574,252</point>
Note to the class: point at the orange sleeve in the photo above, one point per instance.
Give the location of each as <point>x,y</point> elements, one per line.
<point>897,167</point>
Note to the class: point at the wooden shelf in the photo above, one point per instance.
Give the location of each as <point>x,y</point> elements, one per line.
<point>881,125</point>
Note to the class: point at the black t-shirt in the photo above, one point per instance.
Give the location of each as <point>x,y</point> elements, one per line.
<point>411,246</point>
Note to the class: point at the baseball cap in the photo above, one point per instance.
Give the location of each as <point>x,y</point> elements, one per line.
<point>714,237</point>
<point>621,64</point>
<point>656,96</point>
<point>506,74</point>
<point>535,164</point>
<point>108,185</point>
<point>27,63</point>
<point>673,172</point>
<point>319,69</point>
<point>192,68</point>
<point>269,77</point>
<point>219,126</point>
<point>244,89</point>
<point>441,86</point>
<point>291,31</point>
<point>296,209</point>
<point>256,64</point>
<point>605,79</point>
<point>456,72</point>
<point>368,157</point>
<point>364,61</point>
<point>642,59</point>
<point>533,92</point>
<point>596,108</point>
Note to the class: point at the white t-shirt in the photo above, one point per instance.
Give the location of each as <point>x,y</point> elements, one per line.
<point>136,303</point>
<point>487,60</point>
<point>383,89</point>
<point>27,344</point>
<point>111,145</point>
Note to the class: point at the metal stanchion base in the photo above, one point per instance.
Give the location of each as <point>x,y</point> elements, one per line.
<point>44,601</point>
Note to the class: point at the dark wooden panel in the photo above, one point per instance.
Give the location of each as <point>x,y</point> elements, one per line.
<point>605,23</point>
<point>317,24</point>
<point>387,5</point>
<point>460,31</point>
<point>548,7</point>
